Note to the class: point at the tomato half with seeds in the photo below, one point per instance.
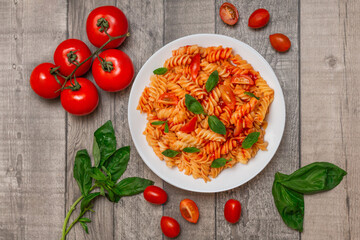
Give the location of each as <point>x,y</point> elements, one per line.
<point>70,53</point>
<point>232,211</point>
<point>195,66</point>
<point>170,227</point>
<point>168,99</point>
<point>155,195</point>
<point>189,210</point>
<point>259,18</point>
<point>189,126</point>
<point>228,13</point>
<point>280,42</point>
<point>242,79</point>
<point>227,95</point>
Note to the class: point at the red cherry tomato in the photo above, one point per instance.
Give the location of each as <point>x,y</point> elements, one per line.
<point>280,42</point>
<point>70,53</point>
<point>195,66</point>
<point>232,211</point>
<point>238,128</point>
<point>170,227</point>
<point>228,96</point>
<point>242,79</point>
<point>168,98</point>
<point>106,18</point>
<point>80,102</point>
<point>189,210</point>
<point>114,71</point>
<point>190,126</point>
<point>155,195</point>
<point>259,18</point>
<point>44,83</point>
<point>229,14</point>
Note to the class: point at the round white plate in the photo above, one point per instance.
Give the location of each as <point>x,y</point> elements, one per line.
<point>229,178</point>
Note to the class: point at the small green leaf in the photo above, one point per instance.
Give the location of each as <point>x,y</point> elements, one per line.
<point>85,227</point>
<point>81,167</point>
<point>160,71</point>
<point>170,153</point>
<point>191,150</point>
<point>212,81</point>
<point>117,163</point>
<point>106,141</point>
<point>219,162</point>
<point>87,199</point>
<point>97,174</point>
<point>166,130</point>
<point>131,186</point>
<point>250,140</point>
<point>85,220</point>
<point>193,105</point>
<point>158,123</point>
<point>216,125</point>
<point>251,95</point>
<point>102,191</point>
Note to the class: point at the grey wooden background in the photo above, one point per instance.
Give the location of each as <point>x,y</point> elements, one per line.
<point>38,139</point>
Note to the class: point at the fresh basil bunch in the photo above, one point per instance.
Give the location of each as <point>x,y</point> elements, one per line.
<point>288,190</point>
<point>109,166</point>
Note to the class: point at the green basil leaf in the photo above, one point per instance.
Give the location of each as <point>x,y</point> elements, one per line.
<point>193,105</point>
<point>96,153</point>
<point>81,167</point>
<point>170,153</point>
<point>102,191</point>
<point>106,141</point>
<point>131,186</point>
<point>219,162</point>
<point>85,220</point>
<point>191,150</point>
<point>97,174</point>
<point>87,199</point>
<point>251,95</point>
<point>158,123</point>
<point>110,195</point>
<point>85,227</point>
<point>289,203</point>
<point>166,130</point>
<point>160,71</point>
<point>216,125</point>
<point>250,140</point>
<point>117,163</point>
<point>212,81</point>
<point>315,177</point>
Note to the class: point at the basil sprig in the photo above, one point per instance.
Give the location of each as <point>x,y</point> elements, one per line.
<point>212,81</point>
<point>191,150</point>
<point>216,125</point>
<point>193,105</point>
<point>250,140</point>
<point>251,95</point>
<point>219,162</point>
<point>160,71</point>
<point>288,190</point>
<point>157,123</point>
<point>170,153</point>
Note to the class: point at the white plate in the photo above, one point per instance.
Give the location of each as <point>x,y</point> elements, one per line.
<point>229,178</point>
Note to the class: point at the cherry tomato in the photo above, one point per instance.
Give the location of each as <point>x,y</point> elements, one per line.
<point>114,71</point>
<point>170,227</point>
<point>232,211</point>
<point>228,96</point>
<point>189,210</point>
<point>154,194</point>
<point>229,14</point>
<point>80,102</point>
<point>259,18</point>
<point>195,66</point>
<point>110,19</point>
<point>44,83</point>
<point>280,42</point>
<point>168,98</point>
<point>238,128</point>
<point>242,79</point>
<point>190,126</point>
<point>70,53</point>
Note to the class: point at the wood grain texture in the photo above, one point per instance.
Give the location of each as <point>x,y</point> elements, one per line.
<point>135,218</point>
<point>184,18</point>
<point>330,110</point>
<point>32,132</point>
<point>260,219</point>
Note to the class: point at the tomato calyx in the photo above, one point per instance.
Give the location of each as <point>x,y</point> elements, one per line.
<point>72,57</point>
<point>107,66</point>
<point>103,24</point>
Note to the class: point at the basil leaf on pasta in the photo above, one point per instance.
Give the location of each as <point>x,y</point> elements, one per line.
<point>160,71</point>
<point>212,81</point>
<point>219,162</point>
<point>250,140</point>
<point>170,153</point>
<point>251,95</point>
<point>216,125</point>
<point>157,123</point>
<point>166,130</point>
<point>191,150</point>
<point>193,105</point>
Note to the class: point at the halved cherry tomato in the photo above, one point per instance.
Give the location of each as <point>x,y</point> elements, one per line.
<point>242,79</point>
<point>170,227</point>
<point>155,195</point>
<point>190,126</point>
<point>280,42</point>
<point>227,96</point>
<point>253,77</point>
<point>168,98</point>
<point>195,66</point>
<point>232,211</point>
<point>228,13</point>
<point>259,18</point>
<point>238,128</point>
<point>189,210</point>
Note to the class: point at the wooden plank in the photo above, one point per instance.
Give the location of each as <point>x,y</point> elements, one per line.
<point>32,136</point>
<point>134,218</point>
<point>80,132</point>
<point>260,219</point>
<point>184,18</point>
<point>329,111</point>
